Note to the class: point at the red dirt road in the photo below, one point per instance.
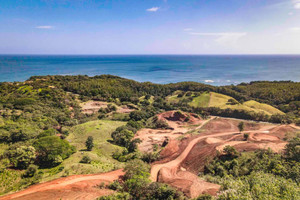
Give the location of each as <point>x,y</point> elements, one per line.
<point>169,172</point>
<point>71,187</point>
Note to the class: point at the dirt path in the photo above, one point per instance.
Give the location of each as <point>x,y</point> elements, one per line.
<point>174,164</point>
<point>71,187</point>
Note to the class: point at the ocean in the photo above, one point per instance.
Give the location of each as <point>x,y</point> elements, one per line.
<point>210,69</point>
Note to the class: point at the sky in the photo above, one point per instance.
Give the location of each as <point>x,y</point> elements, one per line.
<point>150,27</point>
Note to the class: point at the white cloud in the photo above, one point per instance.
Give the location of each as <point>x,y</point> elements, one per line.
<point>290,13</point>
<point>225,38</point>
<point>228,81</point>
<point>295,29</point>
<point>188,29</point>
<point>296,4</point>
<point>209,81</point>
<point>44,27</point>
<point>153,9</point>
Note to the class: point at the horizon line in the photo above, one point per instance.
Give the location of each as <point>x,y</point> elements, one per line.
<point>17,54</point>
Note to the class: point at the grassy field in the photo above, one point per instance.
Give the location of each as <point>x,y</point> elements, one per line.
<point>261,106</point>
<point>201,101</point>
<point>102,160</point>
<point>213,99</point>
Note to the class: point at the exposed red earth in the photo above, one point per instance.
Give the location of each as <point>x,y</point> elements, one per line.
<point>180,161</point>
<point>71,187</point>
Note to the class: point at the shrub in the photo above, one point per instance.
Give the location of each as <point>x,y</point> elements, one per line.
<point>292,149</point>
<point>89,143</point>
<point>21,157</point>
<point>86,159</point>
<point>246,136</point>
<point>30,171</point>
<point>241,126</point>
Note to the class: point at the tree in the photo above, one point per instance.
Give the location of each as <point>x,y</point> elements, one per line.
<point>230,151</point>
<point>21,157</point>
<point>246,136</point>
<point>52,150</point>
<point>122,136</point>
<point>136,178</point>
<point>241,126</point>
<point>89,143</point>
<point>292,149</point>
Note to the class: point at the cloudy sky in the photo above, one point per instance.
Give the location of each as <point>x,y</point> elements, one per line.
<point>149,26</point>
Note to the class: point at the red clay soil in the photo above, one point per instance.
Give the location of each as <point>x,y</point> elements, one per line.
<point>187,182</point>
<point>281,131</point>
<point>219,125</point>
<point>71,187</point>
<point>200,154</point>
<point>179,122</point>
<point>191,157</point>
<point>179,116</point>
<point>173,150</point>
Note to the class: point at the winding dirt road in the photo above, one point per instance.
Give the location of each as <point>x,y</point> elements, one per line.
<point>174,164</point>
<point>71,187</point>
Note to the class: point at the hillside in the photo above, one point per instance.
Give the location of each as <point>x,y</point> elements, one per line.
<point>213,99</point>
<point>52,127</point>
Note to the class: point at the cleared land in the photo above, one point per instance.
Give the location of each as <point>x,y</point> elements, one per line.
<point>181,158</point>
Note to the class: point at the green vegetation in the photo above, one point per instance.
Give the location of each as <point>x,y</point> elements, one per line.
<point>52,150</point>
<point>44,135</point>
<point>137,186</point>
<point>241,126</point>
<point>217,100</point>
<point>257,175</point>
<point>89,143</point>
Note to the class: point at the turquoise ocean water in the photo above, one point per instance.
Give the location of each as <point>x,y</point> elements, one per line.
<point>212,69</point>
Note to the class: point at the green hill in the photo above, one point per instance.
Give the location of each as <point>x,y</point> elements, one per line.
<point>213,99</point>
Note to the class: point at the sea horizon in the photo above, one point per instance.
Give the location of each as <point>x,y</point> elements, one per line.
<point>218,69</point>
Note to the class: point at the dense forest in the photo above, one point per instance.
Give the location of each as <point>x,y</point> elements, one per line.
<point>36,116</point>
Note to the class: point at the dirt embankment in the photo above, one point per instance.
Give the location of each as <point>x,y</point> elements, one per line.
<point>71,187</point>
<point>191,157</point>
<point>179,122</point>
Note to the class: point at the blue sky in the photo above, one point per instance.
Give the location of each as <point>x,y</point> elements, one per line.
<point>150,27</point>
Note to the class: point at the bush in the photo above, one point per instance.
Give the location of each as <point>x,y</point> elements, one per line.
<point>292,149</point>
<point>246,136</point>
<point>89,143</point>
<point>21,157</point>
<point>230,151</point>
<point>136,167</point>
<point>204,197</point>
<point>31,170</point>
<point>86,159</point>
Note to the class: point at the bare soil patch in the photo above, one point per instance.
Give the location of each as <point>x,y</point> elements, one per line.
<point>92,107</point>
<point>71,187</point>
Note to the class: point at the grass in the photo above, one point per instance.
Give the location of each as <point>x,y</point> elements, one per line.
<point>101,154</point>
<point>264,107</point>
<point>101,131</point>
<point>10,180</point>
<point>201,101</point>
<point>212,99</point>
<point>102,160</point>
<point>218,100</point>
